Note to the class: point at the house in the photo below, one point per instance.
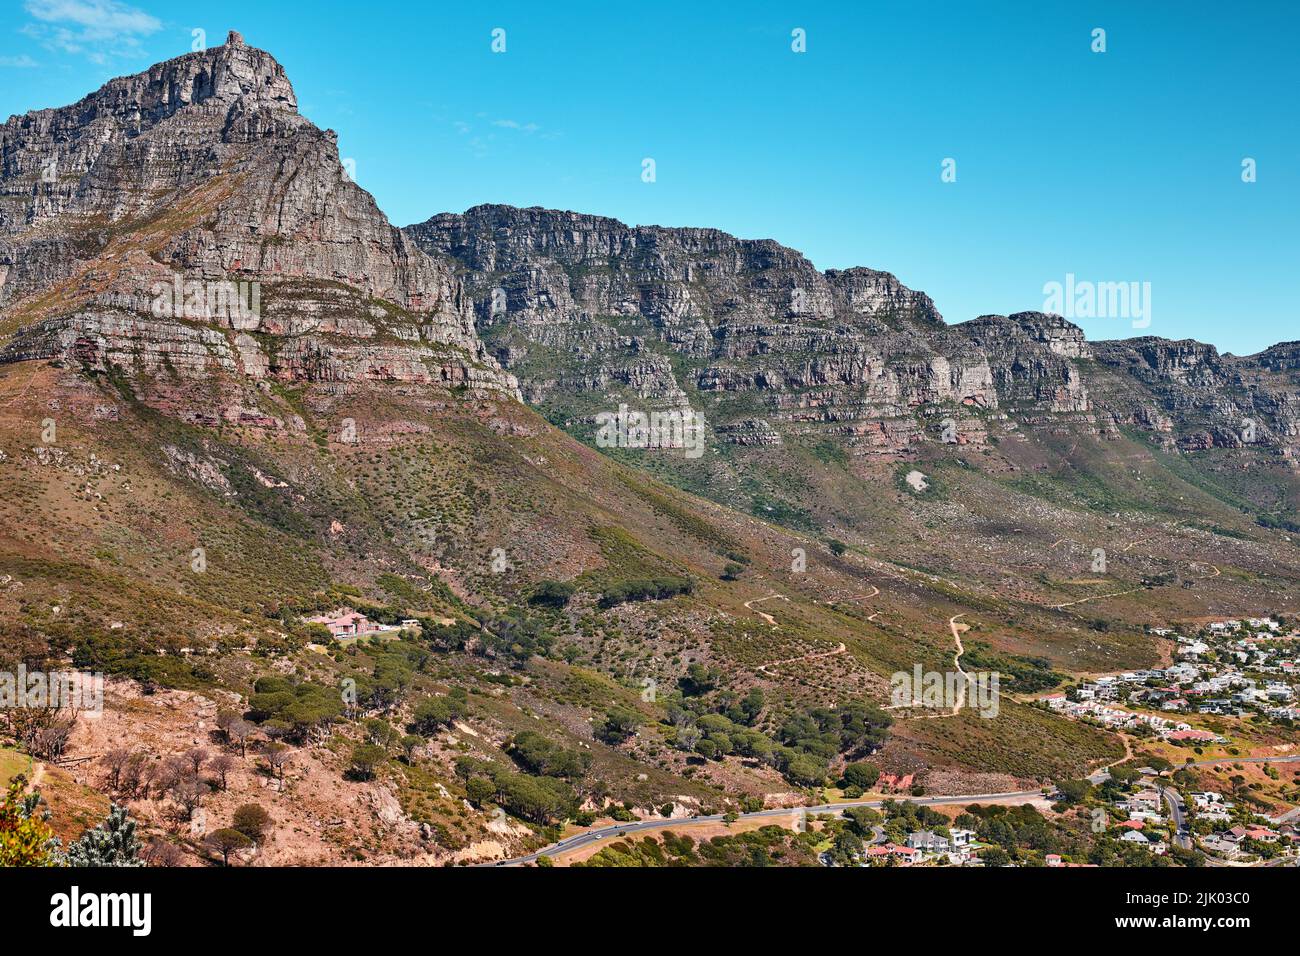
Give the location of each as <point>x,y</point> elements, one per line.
<point>1053,859</point>
<point>928,841</point>
<point>961,838</point>
<point>1215,814</point>
<point>906,856</point>
<point>1146,816</point>
<point>345,623</point>
<point>1219,845</point>
<point>1263,834</point>
<point>1148,800</point>
<point>1134,825</point>
<point>1135,836</point>
<point>409,623</point>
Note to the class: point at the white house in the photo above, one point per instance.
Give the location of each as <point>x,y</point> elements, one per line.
<point>927,840</point>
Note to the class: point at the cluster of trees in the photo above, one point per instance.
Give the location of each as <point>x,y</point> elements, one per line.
<point>516,637</point>
<point>645,589</point>
<point>767,846</point>
<point>552,594</point>
<point>538,755</point>
<point>187,778</point>
<point>300,712</point>
<point>247,829</point>
<point>619,725</point>
<point>717,723</point>
<point>542,800</point>
<point>432,714</point>
<point>27,839</point>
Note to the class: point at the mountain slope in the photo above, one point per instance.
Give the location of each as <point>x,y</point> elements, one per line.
<point>187,473</point>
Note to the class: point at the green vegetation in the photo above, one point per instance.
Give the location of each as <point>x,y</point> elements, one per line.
<point>645,589</point>
<point>768,846</point>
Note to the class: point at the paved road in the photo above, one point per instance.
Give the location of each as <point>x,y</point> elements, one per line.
<point>1177,813</point>
<point>579,840</point>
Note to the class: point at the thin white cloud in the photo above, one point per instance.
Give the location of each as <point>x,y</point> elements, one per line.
<point>514,124</point>
<point>99,29</point>
<point>23,62</point>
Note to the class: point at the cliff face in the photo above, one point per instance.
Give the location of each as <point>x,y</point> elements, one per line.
<point>188,221</point>
<point>196,194</point>
<point>585,305</point>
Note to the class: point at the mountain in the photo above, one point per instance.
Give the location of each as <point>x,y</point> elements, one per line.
<point>587,303</point>
<point>203,167</point>
<point>233,397</point>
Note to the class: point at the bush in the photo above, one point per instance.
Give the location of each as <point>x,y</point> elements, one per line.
<point>862,775</point>
<point>645,589</point>
<point>554,594</point>
<point>251,820</point>
<point>366,758</point>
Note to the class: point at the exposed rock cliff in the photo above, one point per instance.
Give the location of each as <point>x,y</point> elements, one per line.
<point>124,216</point>
<point>584,307</point>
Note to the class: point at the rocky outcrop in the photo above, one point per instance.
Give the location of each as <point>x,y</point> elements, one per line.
<point>581,304</point>
<point>585,307</point>
<point>201,172</point>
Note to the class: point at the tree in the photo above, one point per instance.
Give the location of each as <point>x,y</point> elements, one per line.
<point>1074,791</point>
<point>112,843</point>
<point>432,714</point>
<point>620,723</point>
<point>188,792</point>
<point>221,765</point>
<point>995,856</point>
<point>25,837</point>
<point>410,743</point>
<point>554,594</point>
<point>479,791</point>
<point>862,820</point>
<point>239,731</point>
<point>277,758</point>
<point>162,852</point>
<point>226,841</point>
<point>366,758</point>
<point>698,680</point>
<point>862,775</point>
<point>380,732</point>
<point>225,718</point>
<point>847,848</point>
<point>115,761</point>
<point>732,571</point>
<point>251,820</point>
<point>196,757</point>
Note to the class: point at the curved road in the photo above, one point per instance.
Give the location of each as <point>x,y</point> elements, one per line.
<point>579,840</point>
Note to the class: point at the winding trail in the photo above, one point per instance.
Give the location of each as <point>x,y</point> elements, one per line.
<point>1095,597</point>
<point>958,651</point>
<point>763,668</point>
<point>767,617</point>
<point>957,631</point>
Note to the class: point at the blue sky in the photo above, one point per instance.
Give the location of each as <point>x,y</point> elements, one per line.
<point>1122,166</point>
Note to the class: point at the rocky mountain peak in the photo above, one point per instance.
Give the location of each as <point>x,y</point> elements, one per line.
<point>197,173</point>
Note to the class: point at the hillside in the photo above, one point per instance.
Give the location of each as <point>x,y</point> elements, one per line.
<point>234,397</point>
